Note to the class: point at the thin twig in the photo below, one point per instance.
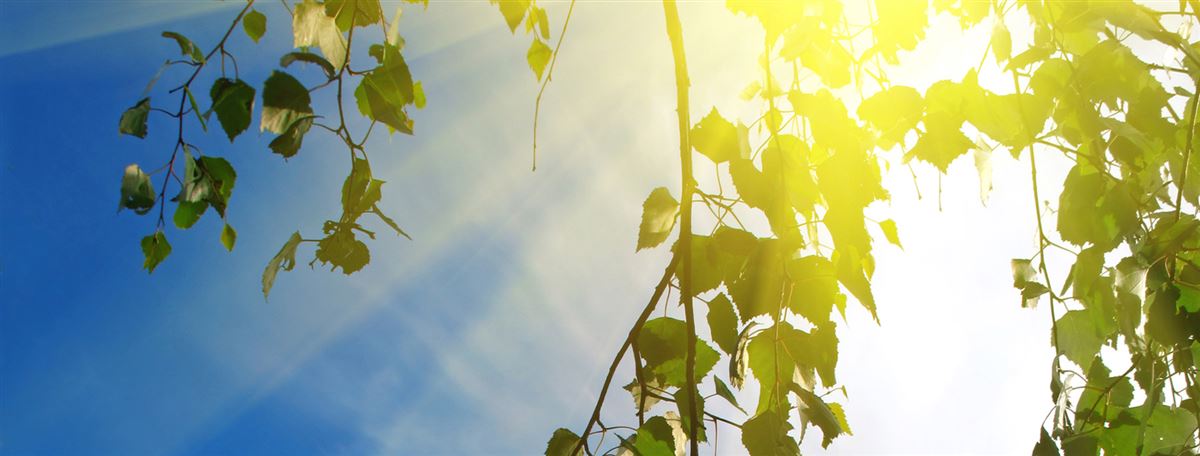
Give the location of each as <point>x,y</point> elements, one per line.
<point>537,104</point>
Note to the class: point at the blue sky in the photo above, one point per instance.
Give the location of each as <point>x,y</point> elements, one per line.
<point>494,325</point>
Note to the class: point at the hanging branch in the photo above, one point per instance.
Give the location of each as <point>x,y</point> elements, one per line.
<point>675,34</point>
<point>633,334</point>
<point>537,104</point>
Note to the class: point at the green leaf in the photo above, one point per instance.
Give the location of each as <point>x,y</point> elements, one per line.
<point>309,57</point>
<point>284,101</point>
<point>133,120</point>
<point>759,289</point>
<point>1025,279</point>
<point>543,22</point>
<point>889,231</point>
<point>187,213</point>
<point>1045,446</point>
<point>851,274</point>
<point>718,139</point>
<point>685,407</point>
<point>513,11</point>
<point>738,359</point>
<point>383,94</point>
<point>1023,272</point>
<point>562,442</point>
<point>195,108</point>
<point>654,438</point>
<point>353,13</point>
<point>723,323</point>
<point>418,95</point>
<point>817,350</point>
<point>772,366</point>
<point>726,393</point>
<point>1168,430</point>
<point>156,248</point>
<point>942,142</point>
<point>840,415</point>
<point>1078,337</point>
<point>819,413</point>
<point>341,249</point>
<point>285,260</point>
<point>893,113</point>
<point>221,177</point>
<point>901,25</point>
<point>766,434</point>
<point>288,143</point>
<point>663,344</point>
<point>815,289</point>
<point>137,192</point>
<point>228,237</point>
<point>390,223</point>
<point>818,51</point>
<point>360,191</point>
<point>186,46</point>
<point>255,25</point>
<point>1094,210</point>
<point>1001,42</point>
<point>1196,353</point>
<point>635,390</point>
<point>312,27</point>
<point>659,212</point>
<point>538,56</point>
<point>1014,120</point>
<point>233,101</point>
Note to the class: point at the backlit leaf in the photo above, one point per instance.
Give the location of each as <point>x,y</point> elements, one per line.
<point>513,11</point>
<point>726,393</point>
<point>816,411</point>
<point>889,231</point>
<point>285,259</point>
<point>718,139</point>
<point>383,95</point>
<point>723,323</point>
<point>659,212</point>
<point>1001,42</point>
<point>893,113</point>
<point>562,442</point>
<point>655,438</point>
<point>538,56</point>
<point>342,249</point>
<point>312,27</point>
<point>663,344</point>
<point>766,434</point>
<point>353,13</point>
<point>1078,337</point>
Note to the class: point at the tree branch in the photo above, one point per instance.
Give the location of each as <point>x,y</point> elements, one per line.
<point>633,334</point>
<point>675,34</point>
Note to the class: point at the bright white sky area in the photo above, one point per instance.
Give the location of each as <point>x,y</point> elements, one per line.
<point>498,322</point>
